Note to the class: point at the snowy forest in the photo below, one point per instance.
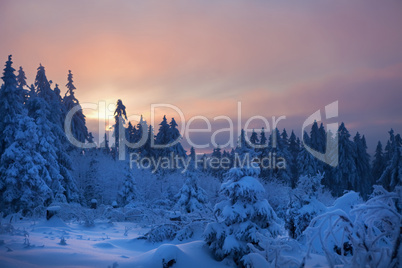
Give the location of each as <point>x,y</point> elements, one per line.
<point>297,212</point>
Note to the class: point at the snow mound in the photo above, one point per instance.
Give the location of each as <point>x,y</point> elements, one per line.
<point>53,222</point>
<point>168,254</point>
<point>165,255</point>
<point>346,202</point>
<point>192,254</point>
<point>256,260</point>
<point>104,245</point>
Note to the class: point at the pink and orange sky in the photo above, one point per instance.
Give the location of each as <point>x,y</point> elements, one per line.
<point>277,57</point>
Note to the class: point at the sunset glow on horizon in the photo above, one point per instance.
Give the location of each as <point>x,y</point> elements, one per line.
<point>275,57</point>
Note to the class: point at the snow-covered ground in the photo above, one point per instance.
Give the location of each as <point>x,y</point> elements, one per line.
<point>98,246</point>
<point>39,244</point>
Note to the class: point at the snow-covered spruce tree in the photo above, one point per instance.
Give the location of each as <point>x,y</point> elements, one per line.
<point>174,136</point>
<point>278,147</point>
<point>318,137</point>
<point>378,164</point>
<point>392,175</point>
<point>11,106</point>
<point>143,130</point>
<point>306,163</point>
<point>55,122</point>
<point>105,144</point>
<point>304,205</point>
<point>193,157</point>
<point>168,141</point>
<point>21,174</point>
<point>214,168</point>
<point>162,138</point>
<point>24,179</point>
<point>91,188</point>
<point>243,149</point>
<point>44,91</point>
<point>191,197</point>
<point>345,176</point>
<point>90,137</point>
<point>147,149</point>
<point>78,127</point>
<point>242,218</point>
<point>130,135</point>
<point>119,116</point>
<point>254,138</point>
<point>294,149</point>
<point>363,166</point>
<point>22,84</point>
<point>128,192</point>
<point>21,78</point>
<point>46,146</point>
<point>331,158</point>
<point>263,152</point>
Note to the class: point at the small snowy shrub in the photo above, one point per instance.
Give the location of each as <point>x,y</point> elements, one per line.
<point>63,241</point>
<point>278,252</point>
<point>128,192</point>
<point>304,206</point>
<point>191,197</point>
<point>162,233</point>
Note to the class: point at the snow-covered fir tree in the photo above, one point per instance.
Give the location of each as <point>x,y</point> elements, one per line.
<point>162,138</point>
<point>119,116</point>
<point>11,106</point>
<point>21,78</point>
<point>22,172</point>
<point>147,150</point>
<point>22,84</point>
<point>345,176</point>
<point>278,147</point>
<point>363,166</point>
<point>306,163</point>
<point>128,192</point>
<point>192,154</point>
<point>243,148</point>
<point>304,206</point>
<point>263,141</point>
<point>47,101</point>
<point>378,164</point>
<point>105,144</point>
<point>254,138</point>
<point>78,125</point>
<point>91,188</point>
<point>40,113</point>
<point>141,137</point>
<point>191,197</point>
<point>294,149</point>
<point>130,135</point>
<point>243,217</point>
<point>174,138</point>
<point>24,179</point>
<point>215,167</point>
<point>392,175</point>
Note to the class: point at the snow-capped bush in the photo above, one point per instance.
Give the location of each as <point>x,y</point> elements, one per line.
<point>241,217</point>
<point>164,232</point>
<point>277,252</point>
<point>303,205</point>
<point>369,234</point>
